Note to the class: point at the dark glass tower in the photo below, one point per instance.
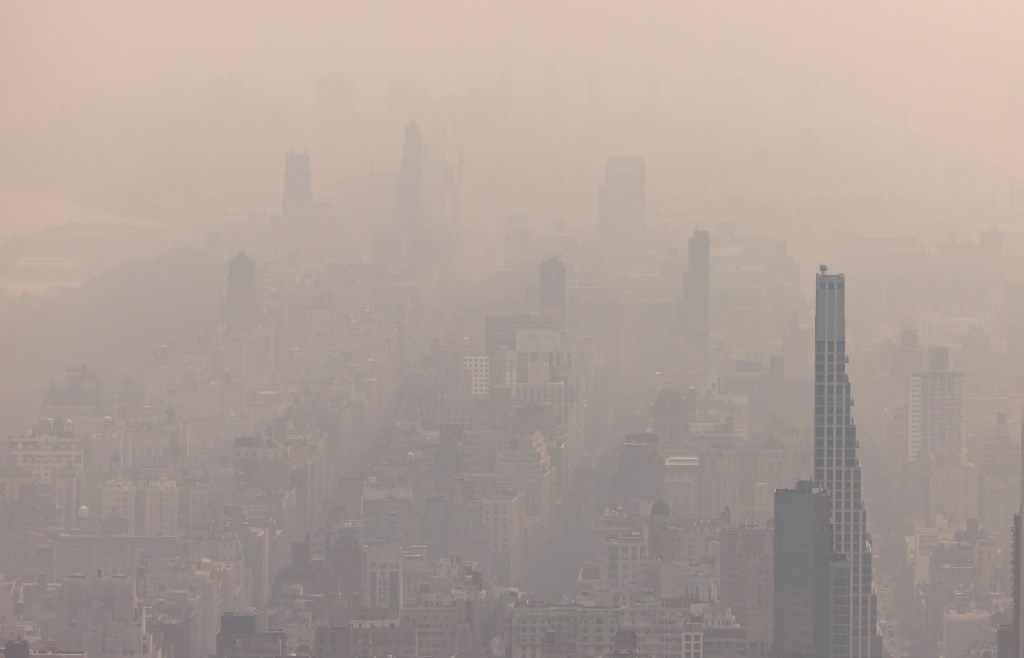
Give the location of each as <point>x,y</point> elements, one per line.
<point>836,467</point>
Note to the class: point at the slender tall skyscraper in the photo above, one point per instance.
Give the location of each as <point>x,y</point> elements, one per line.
<point>836,466</point>
<point>298,184</point>
<point>409,203</point>
<point>697,299</point>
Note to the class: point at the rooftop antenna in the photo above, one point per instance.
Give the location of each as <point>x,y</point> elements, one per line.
<point>823,268</point>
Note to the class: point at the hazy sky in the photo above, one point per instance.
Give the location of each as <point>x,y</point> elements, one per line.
<point>130,108</point>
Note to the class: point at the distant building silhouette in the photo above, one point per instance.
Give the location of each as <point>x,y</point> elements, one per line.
<point>298,185</point>
<point>240,306</point>
<point>622,200</point>
<point>696,307</point>
<point>552,289</point>
<point>938,412</point>
<point>409,200</point>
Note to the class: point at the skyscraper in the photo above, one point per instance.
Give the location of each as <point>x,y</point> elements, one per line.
<point>836,466</point>
<point>409,201</point>
<point>298,184</point>
<point>622,200</point>
<point>240,308</point>
<point>552,289</point>
<point>696,305</point>
<point>938,410</point>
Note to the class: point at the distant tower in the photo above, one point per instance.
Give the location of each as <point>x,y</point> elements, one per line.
<point>409,201</point>
<point>298,185</point>
<point>552,289</point>
<point>622,200</point>
<point>938,412</point>
<point>837,468</point>
<point>697,299</point>
<point>240,305</point>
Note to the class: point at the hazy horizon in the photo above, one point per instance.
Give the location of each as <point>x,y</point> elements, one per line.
<point>891,110</point>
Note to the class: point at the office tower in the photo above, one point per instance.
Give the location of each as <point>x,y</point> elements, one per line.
<point>298,185</point>
<point>938,412</point>
<point>836,466</point>
<point>409,201</point>
<point>696,309</point>
<point>622,200</point>
<point>552,289</point>
<point>802,558</point>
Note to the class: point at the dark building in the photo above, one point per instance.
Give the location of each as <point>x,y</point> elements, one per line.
<point>409,200</point>
<point>298,185</point>
<point>552,289</point>
<point>239,637</point>
<point>622,200</point>
<point>16,649</point>
<point>640,475</point>
<point>233,628</point>
<point>801,587</point>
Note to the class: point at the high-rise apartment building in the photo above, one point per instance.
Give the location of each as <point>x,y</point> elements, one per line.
<point>836,466</point>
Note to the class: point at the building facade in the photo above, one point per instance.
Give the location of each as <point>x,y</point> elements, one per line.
<point>836,466</point>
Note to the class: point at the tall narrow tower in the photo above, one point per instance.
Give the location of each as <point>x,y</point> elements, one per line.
<point>836,466</point>
<point>298,184</point>
<point>409,201</point>
<point>697,299</point>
